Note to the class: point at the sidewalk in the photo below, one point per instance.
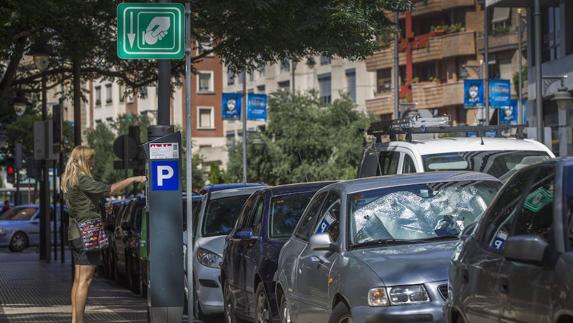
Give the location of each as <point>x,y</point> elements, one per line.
<point>32,291</point>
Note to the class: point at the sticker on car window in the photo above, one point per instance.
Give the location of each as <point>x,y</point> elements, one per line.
<point>538,199</point>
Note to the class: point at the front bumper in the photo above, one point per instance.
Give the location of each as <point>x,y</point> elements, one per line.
<point>207,285</point>
<point>5,238</point>
<point>429,312</point>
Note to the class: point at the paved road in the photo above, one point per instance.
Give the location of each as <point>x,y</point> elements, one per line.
<point>32,291</point>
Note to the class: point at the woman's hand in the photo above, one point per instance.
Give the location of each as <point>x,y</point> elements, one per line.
<point>139,179</point>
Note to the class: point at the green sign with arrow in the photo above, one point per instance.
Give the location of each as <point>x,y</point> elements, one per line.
<point>150,31</point>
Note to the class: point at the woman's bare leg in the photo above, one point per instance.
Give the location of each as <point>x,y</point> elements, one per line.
<point>86,273</point>
<point>74,289</point>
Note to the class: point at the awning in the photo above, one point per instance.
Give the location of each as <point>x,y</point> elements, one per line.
<point>500,14</point>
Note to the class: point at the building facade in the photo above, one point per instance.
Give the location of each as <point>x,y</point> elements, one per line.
<point>107,100</point>
<point>441,44</point>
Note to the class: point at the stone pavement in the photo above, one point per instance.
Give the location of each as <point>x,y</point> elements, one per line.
<point>32,291</point>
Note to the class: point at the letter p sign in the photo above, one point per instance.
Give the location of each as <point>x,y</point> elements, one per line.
<point>165,175</point>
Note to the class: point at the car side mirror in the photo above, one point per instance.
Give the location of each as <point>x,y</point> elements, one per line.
<point>245,234</point>
<point>322,242</point>
<point>526,248</point>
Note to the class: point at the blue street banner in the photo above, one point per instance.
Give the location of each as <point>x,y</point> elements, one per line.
<point>499,94</point>
<point>231,106</point>
<point>257,107</point>
<point>508,114</point>
<point>473,94</point>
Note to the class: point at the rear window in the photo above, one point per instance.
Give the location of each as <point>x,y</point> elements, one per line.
<point>286,211</point>
<point>221,214</point>
<point>500,164</point>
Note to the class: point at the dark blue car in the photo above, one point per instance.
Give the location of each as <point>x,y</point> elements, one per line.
<point>252,249</point>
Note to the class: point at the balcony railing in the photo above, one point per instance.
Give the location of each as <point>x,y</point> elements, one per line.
<point>428,47</point>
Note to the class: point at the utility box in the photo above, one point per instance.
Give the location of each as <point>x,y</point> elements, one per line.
<point>44,141</point>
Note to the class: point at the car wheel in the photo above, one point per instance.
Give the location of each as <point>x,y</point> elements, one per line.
<point>263,308</point>
<point>460,319</point>
<point>229,303</point>
<point>19,242</point>
<point>341,314</point>
<point>284,312</point>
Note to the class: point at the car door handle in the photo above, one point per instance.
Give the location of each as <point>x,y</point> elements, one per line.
<point>504,286</point>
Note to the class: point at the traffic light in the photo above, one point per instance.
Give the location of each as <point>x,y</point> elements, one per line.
<point>10,171</point>
<point>129,151</point>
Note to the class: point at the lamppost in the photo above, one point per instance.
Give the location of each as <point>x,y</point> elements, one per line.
<point>42,60</point>
<point>520,31</point>
<point>20,104</point>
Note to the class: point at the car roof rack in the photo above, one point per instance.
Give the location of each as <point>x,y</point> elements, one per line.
<point>436,125</point>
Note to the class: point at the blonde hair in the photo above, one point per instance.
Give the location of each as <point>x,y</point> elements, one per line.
<point>79,163</point>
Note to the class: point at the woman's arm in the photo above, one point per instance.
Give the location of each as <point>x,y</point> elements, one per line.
<point>117,187</point>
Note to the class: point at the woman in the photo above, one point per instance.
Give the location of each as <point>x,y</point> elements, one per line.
<point>82,194</point>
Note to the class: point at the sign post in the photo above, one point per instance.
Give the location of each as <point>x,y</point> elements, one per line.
<point>150,31</point>
<point>165,296</point>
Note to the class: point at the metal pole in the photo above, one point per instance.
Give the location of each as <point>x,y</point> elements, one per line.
<point>164,90</point>
<point>77,102</point>
<point>45,191</point>
<point>244,120</point>
<point>188,163</point>
<point>55,209</point>
<point>293,68</point>
<point>538,72</point>
<point>17,197</point>
<point>486,61</point>
<point>520,63</point>
<point>397,68</point>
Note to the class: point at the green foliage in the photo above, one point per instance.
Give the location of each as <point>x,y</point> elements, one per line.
<point>305,141</point>
<point>22,130</point>
<point>523,78</point>
<point>215,174</point>
<point>101,139</point>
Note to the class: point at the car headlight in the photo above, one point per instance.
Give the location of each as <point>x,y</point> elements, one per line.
<point>208,258</point>
<point>378,297</point>
<point>413,294</point>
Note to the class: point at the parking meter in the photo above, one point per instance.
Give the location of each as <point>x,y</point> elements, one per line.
<point>166,286</point>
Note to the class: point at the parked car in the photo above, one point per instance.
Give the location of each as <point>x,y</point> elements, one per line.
<point>252,249</point>
<point>219,212</point>
<point>499,157</point>
<point>517,266</point>
<point>121,236</point>
<point>219,187</point>
<point>109,218</point>
<point>377,249</point>
<point>20,227</point>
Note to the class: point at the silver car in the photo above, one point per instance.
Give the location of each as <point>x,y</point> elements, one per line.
<point>219,210</point>
<point>20,227</point>
<point>377,249</point>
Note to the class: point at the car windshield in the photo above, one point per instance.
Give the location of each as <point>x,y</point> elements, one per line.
<point>18,214</point>
<point>496,163</point>
<point>287,210</point>
<point>221,214</point>
<point>418,212</point>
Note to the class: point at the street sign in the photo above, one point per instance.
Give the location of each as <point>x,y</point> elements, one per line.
<point>165,175</point>
<point>150,31</point>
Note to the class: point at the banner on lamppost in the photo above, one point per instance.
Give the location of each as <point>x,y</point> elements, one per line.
<point>231,106</point>
<point>257,107</point>
<point>499,93</point>
<point>473,94</point>
<point>508,114</point>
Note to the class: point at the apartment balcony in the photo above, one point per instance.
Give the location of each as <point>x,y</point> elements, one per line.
<point>424,7</point>
<point>428,47</point>
<point>425,95</point>
<point>500,41</point>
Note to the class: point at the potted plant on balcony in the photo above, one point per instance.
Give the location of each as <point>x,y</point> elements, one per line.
<point>439,29</point>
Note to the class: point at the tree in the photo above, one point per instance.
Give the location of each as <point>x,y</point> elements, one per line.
<point>100,140</point>
<point>246,33</point>
<point>215,175</point>
<point>305,141</point>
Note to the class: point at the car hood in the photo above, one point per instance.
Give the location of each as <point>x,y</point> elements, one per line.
<point>215,244</point>
<point>409,264</point>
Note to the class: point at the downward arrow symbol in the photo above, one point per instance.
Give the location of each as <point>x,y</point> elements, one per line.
<point>131,35</point>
